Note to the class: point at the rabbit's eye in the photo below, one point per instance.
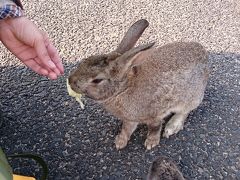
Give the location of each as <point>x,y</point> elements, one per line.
<point>97,81</point>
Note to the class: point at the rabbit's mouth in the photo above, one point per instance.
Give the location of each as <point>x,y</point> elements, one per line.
<point>73,84</point>
<point>73,93</point>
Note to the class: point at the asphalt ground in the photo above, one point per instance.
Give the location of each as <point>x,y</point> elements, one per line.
<point>39,116</point>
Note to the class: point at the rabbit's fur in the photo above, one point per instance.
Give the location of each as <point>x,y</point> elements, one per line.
<point>144,85</point>
<point>164,168</point>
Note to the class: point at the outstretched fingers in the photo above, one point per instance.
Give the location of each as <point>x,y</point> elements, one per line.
<point>54,56</point>
<point>49,57</point>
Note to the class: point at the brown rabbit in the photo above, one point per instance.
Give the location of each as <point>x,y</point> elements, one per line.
<point>163,168</point>
<point>144,85</point>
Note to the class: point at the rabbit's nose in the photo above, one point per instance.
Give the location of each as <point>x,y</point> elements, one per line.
<point>73,82</point>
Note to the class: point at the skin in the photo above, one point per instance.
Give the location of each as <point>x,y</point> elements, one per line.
<point>31,46</point>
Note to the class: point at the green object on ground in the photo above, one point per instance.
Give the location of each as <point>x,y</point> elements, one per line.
<point>5,169</point>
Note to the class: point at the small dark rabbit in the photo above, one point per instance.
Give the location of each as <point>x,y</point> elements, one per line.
<point>163,168</point>
<point>144,85</point>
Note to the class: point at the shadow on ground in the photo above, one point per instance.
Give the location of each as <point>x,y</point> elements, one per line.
<point>39,117</point>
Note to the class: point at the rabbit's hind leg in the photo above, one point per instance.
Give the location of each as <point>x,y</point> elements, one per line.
<point>175,124</point>
<point>154,133</point>
<point>123,137</point>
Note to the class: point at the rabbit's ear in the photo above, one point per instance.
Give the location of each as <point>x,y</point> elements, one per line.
<point>124,59</point>
<point>132,35</point>
<point>123,63</point>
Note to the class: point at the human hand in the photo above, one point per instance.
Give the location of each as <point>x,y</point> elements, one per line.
<point>31,46</point>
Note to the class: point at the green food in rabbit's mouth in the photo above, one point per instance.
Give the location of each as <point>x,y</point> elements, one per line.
<point>74,94</point>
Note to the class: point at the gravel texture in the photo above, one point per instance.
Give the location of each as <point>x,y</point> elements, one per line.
<point>39,117</point>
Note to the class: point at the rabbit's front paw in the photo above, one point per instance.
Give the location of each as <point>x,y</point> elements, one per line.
<point>121,141</point>
<point>152,141</point>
